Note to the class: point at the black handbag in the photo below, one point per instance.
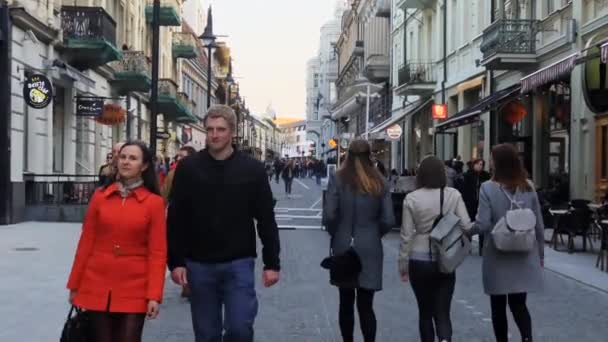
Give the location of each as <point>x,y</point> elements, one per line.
<point>344,268</point>
<point>77,327</point>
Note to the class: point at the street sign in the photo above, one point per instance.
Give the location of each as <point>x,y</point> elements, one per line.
<point>163,135</point>
<point>394,132</point>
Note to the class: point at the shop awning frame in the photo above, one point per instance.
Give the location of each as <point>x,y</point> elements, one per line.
<point>472,114</point>
<point>549,73</point>
<point>391,121</point>
<point>604,53</point>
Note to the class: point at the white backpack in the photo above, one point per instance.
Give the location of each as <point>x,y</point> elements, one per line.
<point>515,232</point>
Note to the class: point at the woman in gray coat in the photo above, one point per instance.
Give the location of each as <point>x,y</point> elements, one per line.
<point>358,204</point>
<point>509,276</point>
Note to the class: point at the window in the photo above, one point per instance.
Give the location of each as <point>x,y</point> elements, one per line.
<point>550,6</point>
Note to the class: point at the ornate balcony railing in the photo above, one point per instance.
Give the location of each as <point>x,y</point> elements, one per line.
<point>510,36</point>
<point>417,72</point>
<point>89,36</point>
<point>167,87</point>
<point>87,23</point>
<point>184,45</point>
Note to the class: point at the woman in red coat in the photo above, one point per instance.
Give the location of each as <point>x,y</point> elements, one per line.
<point>119,269</point>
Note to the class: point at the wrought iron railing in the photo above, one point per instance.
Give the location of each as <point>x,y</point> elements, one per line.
<point>516,36</point>
<point>183,39</point>
<point>416,72</point>
<point>59,189</point>
<point>79,22</point>
<point>379,111</point>
<point>132,62</point>
<point>186,102</point>
<point>167,87</point>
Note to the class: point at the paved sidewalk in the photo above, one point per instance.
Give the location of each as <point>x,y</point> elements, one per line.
<point>301,308</point>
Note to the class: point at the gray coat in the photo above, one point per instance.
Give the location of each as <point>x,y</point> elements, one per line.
<point>505,273</point>
<point>368,219</point>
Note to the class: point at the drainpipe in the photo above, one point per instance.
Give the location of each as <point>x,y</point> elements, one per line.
<point>493,122</point>
<point>5,120</point>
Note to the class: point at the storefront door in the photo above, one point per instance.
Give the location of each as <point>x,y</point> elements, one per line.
<point>601,157</point>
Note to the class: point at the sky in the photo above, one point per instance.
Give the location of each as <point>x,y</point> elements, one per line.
<point>271,41</point>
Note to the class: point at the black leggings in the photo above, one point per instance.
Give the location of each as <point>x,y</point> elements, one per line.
<point>521,315</point>
<point>288,183</point>
<point>117,327</point>
<point>433,291</point>
<point>365,307</point>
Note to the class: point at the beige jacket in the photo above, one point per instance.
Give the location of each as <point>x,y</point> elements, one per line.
<point>420,209</point>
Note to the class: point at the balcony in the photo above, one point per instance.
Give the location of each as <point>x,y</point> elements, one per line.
<point>169,103</point>
<point>169,13</point>
<point>358,49</point>
<point>189,105</point>
<point>89,37</point>
<point>184,45</point>
<point>132,73</point>
<point>417,4</point>
<point>509,44</point>
<point>377,68</point>
<point>417,78</point>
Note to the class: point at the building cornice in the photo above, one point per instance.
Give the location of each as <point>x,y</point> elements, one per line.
<point>24,20</point>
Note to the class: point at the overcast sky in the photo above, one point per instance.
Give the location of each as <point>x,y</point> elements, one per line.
<point>271,41</point>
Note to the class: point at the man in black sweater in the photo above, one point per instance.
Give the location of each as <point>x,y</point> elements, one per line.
<point>217,194</point>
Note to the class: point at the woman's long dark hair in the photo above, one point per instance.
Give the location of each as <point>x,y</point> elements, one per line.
<point>149,174</point>
<point>358,170</point>
<point>508,168</point>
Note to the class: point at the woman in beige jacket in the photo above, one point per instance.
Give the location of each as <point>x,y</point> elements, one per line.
<point>418,260</point>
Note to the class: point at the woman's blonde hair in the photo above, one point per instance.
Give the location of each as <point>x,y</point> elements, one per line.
<point>358,170</point>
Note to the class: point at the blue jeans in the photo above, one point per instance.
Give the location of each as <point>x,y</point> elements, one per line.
<point>229,286</point>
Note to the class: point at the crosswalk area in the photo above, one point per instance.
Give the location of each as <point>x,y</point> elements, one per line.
<point>302,209</point>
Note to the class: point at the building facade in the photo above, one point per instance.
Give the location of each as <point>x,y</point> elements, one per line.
<point>94,50</point>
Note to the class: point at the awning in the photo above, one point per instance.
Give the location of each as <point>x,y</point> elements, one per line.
<point>472,114</point>
<point>604,53</point>
<point>391,121</point>
<point>549,74</point>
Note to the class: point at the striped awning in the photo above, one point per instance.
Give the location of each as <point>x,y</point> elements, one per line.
<point>549,74</point>
<point>604,53</point>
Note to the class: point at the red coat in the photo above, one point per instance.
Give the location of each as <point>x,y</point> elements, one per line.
<point>122,254</point>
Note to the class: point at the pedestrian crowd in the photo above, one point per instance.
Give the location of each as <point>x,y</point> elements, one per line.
<point>134,229</point>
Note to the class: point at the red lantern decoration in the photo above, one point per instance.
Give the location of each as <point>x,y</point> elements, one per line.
<point>440,111</point>
<point>113,114</point>
<point>513,112</point>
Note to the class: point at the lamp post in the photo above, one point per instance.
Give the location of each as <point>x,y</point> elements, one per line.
<point>209,39</point>
<point>155,67</point>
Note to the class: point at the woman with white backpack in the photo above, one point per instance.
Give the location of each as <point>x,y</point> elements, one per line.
<point>509,216</point>
<point>433,244</point>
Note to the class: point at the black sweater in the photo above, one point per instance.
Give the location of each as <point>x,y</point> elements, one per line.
<point>212,210</point>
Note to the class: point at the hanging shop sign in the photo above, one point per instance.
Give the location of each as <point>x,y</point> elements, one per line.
<point>394,132</point>
<point>440,111</point>
<point>113,114</point>
<point>513,112</point>
<point>186,134</point>
<point>89,106</point>
<point>163,135</point>
<point>595,82</point>
<point>37,91</point>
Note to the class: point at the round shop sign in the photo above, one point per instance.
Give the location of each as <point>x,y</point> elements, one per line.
<point>37,91</point>
<point>394,132</point>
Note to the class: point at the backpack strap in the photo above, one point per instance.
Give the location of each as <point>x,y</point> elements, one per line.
<point>511,199</point>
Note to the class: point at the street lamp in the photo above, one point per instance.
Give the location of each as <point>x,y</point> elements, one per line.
<point>208,39</point>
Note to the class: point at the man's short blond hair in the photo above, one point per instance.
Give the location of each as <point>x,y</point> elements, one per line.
<point>222,111</point>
